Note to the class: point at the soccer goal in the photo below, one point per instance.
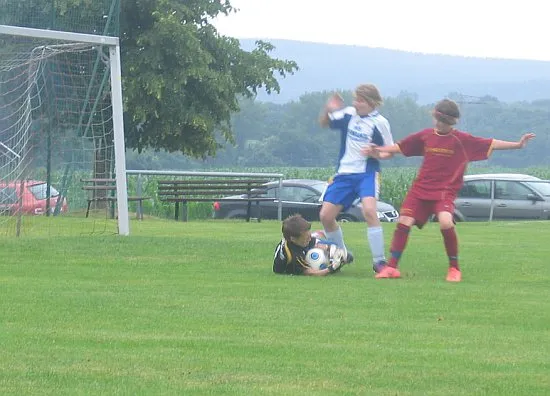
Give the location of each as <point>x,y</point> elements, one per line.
<point>61,121</point>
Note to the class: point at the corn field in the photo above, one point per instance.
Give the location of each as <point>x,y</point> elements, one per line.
<point>394,185</point>
<point>395,182</point>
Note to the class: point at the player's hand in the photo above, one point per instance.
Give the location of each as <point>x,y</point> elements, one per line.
<point>337,254</point>
<point>335,266</point>
<point>337,258</point>
<point>370,151</point>
<point>525,138</point>
<point>335,102</point>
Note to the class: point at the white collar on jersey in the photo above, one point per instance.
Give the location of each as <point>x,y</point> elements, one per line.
<point>371,114</point>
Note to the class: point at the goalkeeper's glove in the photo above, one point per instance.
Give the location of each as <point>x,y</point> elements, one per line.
<point>337,257</point>
<point>334,267</point>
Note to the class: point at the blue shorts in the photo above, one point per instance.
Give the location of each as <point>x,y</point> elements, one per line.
<point>345,189</point>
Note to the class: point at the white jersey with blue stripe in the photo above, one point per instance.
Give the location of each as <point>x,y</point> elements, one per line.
<point>355,133</point>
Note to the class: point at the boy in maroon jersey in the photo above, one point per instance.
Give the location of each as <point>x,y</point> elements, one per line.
<point>446,153</point>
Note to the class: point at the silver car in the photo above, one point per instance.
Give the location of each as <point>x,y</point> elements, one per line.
<point>503,196</point>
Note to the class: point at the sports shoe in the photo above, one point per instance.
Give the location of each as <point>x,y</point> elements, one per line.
<point>388,272</point>
<point>349,258</point>
<point>377,267</point>
<point>454,275</point>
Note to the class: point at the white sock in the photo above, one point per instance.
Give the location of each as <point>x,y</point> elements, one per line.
<point>375,235</point>
<point>337,237</point>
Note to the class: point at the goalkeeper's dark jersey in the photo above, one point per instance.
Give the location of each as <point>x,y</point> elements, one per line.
<point>290,258</point>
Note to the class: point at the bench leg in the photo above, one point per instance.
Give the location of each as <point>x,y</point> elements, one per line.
<point>140,209</point>
<point>88,209</point>
<point>184,211</point>
<point>248,210</point>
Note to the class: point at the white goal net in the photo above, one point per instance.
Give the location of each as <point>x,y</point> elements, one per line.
<point>60,124</point>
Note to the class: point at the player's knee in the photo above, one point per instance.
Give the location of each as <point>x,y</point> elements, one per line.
<point>370,215</point>
<point>446,222</point>
<point>326,217</point>
<point>407,220</point>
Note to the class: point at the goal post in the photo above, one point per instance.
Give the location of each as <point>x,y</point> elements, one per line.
<point>114,68</point>
<point>118,125</point>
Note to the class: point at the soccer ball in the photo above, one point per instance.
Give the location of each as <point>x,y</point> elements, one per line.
<point>316,258</point>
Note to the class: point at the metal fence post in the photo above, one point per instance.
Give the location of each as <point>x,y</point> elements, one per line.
<point>139,189</point>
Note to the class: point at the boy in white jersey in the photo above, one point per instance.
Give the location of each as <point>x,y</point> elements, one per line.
<point>356,175</point>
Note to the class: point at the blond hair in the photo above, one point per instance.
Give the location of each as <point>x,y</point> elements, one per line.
<point>370,94</point>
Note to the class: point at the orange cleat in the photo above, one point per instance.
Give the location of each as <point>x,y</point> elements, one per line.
<point>454,275</point>
<point>388,272</point>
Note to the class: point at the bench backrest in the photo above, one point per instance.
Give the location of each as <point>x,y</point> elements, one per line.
<point>188,189</point>
<point>99,184</point>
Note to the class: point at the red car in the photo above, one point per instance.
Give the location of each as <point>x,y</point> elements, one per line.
<point>33,200</point>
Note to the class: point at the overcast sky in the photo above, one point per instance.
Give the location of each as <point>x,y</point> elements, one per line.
<point>481,28</point>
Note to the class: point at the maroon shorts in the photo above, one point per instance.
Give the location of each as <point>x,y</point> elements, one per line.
<point>421,209</point>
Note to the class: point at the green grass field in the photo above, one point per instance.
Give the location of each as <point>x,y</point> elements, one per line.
<point>194,309</point>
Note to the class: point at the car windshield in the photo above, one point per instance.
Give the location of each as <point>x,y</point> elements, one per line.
<point>39,191</point>
<point>298,192</point>
<point>541,187</point>
<point>319,186</point>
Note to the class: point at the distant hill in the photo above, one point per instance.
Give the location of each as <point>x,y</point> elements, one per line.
<point>328,66</point>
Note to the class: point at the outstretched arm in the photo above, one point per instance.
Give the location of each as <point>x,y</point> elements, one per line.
<point>335,102</point>
<point>391,149</point>
<point>323,272</point>
<point>317,272</point>
<point>381,152</point>
<point>506,145</point>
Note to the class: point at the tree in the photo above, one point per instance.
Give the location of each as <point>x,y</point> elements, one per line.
<point>182,79</point>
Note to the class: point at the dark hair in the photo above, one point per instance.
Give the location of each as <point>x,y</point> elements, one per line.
<point>447,112</point>
<point>294,226</point>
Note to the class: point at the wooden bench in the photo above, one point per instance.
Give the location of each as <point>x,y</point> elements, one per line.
<point>195,190</point>
<point>104,190</point>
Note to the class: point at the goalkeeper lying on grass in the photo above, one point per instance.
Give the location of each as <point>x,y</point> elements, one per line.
<point>290,253</point>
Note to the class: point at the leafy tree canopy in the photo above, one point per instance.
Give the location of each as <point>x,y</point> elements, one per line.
<point>182,79</point>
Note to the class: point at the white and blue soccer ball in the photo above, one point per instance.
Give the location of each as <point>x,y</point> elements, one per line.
<point>316,258</point>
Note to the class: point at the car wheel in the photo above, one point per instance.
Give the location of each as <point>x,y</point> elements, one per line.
<point>345,218</point>
<point>236,216</point>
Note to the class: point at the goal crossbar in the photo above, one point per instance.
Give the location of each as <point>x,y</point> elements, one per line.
<point>59,35</point>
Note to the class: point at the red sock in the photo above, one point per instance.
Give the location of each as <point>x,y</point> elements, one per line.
<point>451,246</point>
<point>398,243</point>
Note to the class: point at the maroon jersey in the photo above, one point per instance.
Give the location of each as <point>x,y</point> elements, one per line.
<point>445,160</point>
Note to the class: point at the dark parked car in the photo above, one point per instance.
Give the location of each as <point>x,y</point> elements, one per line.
<point>509,196</point>
<point>297,196</point>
